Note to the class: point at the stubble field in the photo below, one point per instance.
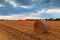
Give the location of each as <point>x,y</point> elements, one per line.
<point>24,30</point>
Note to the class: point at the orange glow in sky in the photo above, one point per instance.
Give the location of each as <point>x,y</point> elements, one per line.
<point>22,19</point>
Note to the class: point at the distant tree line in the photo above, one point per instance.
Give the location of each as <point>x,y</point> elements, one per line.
<point>50,19</point>
<point>57,19</point>
<point>3,19</point>
<point>32,19</point>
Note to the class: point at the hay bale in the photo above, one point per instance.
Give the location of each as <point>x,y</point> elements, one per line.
<point>40,26</point>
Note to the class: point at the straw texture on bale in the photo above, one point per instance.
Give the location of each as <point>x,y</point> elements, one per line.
<point>40,27</point>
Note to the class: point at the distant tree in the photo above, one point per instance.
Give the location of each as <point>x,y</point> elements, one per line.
<point>57,19</point>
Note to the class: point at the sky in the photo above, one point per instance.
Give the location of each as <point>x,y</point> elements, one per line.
<point>29,9</point>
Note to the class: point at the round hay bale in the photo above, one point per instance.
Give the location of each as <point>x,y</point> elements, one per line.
<point>40,26</point>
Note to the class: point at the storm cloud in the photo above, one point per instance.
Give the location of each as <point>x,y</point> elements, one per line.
<point>24,2</point>
<point>26,6</point>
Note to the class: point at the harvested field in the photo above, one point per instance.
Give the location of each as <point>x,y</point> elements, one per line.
<point>16,30</point>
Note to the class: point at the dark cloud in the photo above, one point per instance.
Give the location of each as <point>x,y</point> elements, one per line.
<point>47,1</point>
<point>56,3</point>
<point>9,9</point>
<point>43,4</point>
<point>2,1</point>
<point>23,2</point>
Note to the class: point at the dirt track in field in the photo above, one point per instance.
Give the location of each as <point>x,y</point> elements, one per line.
<point>16,30</point>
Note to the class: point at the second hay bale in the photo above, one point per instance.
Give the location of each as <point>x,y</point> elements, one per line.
<point>40,27</point>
